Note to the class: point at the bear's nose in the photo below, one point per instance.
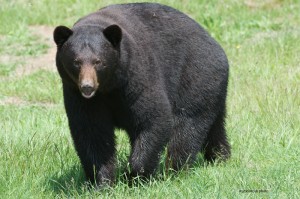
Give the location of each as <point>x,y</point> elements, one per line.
<point>87,90</point>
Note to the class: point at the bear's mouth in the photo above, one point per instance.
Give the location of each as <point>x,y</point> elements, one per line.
<point>88,95</point>
<point>87,91</point>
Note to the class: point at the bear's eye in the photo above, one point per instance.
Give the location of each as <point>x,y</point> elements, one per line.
<point>97,62</point>
<point>77,63</point>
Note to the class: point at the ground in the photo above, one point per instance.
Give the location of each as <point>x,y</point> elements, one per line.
<point>29,65</point>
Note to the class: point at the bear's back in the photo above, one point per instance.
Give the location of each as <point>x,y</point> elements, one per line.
<point>159,32</point>
<point>148,22</point>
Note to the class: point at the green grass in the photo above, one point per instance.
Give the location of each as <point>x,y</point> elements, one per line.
<point>42,86</point>
<point>261,39</point>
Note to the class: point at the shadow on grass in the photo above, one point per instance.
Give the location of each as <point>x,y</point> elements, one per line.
<point>68,182</point>
<point>71,182</point>
<point>165,174</point>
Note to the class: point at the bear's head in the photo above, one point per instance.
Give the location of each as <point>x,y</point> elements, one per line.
<point>87,56</point>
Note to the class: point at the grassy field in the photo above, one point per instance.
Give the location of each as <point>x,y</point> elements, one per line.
<point>262,41</point>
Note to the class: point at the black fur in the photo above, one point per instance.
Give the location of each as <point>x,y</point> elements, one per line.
<point>162,78</point>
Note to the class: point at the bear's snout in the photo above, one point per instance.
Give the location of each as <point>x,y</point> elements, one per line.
<point>88,83</point>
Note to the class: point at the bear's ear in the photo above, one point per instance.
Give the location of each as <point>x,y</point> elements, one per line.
<point>113,34</point>
<point>61,35</point>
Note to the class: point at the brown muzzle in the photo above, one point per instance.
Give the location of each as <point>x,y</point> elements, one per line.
<point>88,81</point>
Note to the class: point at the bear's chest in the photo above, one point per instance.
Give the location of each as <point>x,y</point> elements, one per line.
<point>119,110</point>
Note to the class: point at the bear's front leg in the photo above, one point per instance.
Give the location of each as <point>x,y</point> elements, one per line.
<point>93,135</point>
<point>149,137</point>
<point>97,156</point>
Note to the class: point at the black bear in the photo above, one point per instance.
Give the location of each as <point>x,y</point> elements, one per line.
<point>150,70</point>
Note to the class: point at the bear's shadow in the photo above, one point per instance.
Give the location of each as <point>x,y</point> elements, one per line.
<point>72,180</point>
<point>68,181</point>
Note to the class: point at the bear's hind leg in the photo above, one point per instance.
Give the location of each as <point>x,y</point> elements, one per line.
<point>217,145</point>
